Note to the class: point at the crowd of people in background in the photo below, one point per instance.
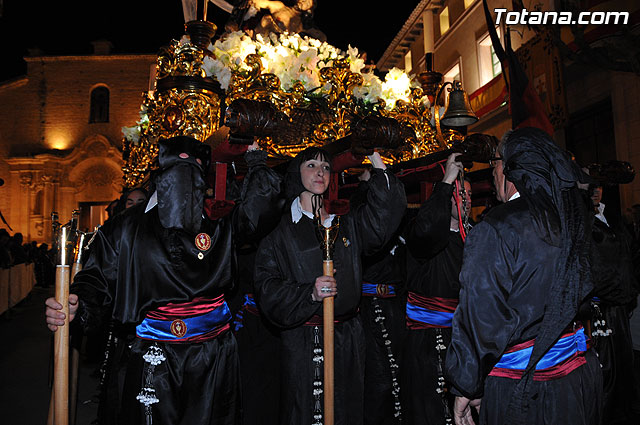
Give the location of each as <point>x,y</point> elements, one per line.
<point>14,251</point>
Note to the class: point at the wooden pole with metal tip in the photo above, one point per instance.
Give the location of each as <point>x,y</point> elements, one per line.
<point>61,337</point>
<point>327,237</point>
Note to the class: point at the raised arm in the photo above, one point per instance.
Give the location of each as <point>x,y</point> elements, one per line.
<point>380,215</point>
<point>428,232</point>
<point>260,206</point>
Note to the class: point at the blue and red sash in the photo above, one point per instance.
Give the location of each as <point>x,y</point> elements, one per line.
<point>378,290</point>
<point>198,320</point>
<point>566,355</point>
<point>250,306</point>
<point>429,312</point>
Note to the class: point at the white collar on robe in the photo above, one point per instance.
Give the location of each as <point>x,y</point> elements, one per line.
<point>600,215</point>
<point>514,196</point>
<point>153,201</point>
<point>297,212</point>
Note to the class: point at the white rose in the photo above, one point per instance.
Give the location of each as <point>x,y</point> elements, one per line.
<point>131,133</point>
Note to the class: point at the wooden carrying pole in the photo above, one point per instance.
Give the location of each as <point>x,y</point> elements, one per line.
<point>328,349</point>
<point>61,351</point>
<point>55,228</point>
<point>61,337</point>
<point>327,237</point>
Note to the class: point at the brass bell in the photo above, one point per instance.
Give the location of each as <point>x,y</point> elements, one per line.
<point>458,112</point>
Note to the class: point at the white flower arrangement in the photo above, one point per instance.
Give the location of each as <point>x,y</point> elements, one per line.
<point>293,59</point>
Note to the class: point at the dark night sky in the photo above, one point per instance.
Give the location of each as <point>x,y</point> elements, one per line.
<point>134,26</point>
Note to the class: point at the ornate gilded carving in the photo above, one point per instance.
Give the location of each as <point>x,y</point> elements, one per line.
<point>341,102</point>
<point>176,112</point>
<point>139,159</point>
<point>185,103</point>
<point>180,59</point>
<point>256,85</point>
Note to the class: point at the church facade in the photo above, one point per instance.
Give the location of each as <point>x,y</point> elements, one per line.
<point>61,139</point>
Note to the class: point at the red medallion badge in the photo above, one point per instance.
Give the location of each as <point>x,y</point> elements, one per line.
<point>178,328</point>
<point>203,242</point>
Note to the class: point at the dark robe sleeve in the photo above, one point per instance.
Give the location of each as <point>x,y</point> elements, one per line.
<point>379,217</point>
<point>612,268</point>
<point>483,321</point>
<point>260,206</point>
<point>93,284</point>
<point>286,303</point>
<point>428,232</point>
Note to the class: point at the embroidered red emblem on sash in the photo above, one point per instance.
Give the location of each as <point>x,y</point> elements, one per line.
<point>178,328</point>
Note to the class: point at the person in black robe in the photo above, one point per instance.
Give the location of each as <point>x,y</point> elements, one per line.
<point>435,244</point>
<point>515,345</point>
<point>382,313</point>
<point>116,352</point>
<point>258,349</point>
<point>614,299</point>
<point>164,267</point>
<point>290,285</point>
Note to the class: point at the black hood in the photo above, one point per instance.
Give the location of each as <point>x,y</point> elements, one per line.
<point>546,178</point>
<point>180,183</point>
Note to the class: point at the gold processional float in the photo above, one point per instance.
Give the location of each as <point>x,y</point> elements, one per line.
<point>289,92</point>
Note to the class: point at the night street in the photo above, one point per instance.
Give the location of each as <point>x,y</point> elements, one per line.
<point>24,366</point>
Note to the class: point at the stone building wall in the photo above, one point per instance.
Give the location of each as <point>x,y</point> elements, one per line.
<point>51,156</point>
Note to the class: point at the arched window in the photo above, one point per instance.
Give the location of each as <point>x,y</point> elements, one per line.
<point>99,105</point>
